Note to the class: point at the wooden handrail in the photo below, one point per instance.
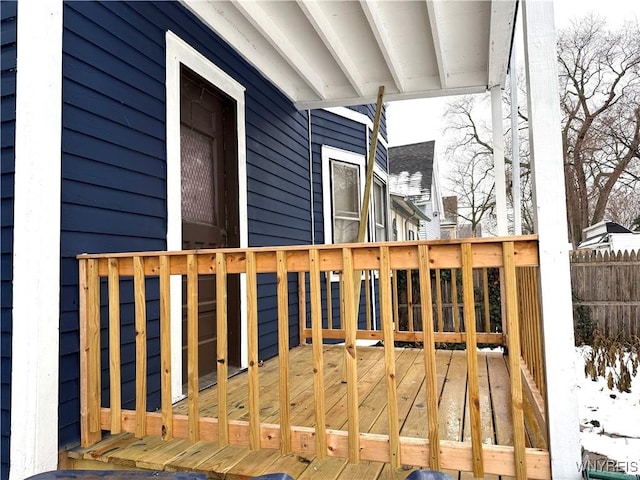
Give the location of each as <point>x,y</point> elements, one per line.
<point>328,269</point>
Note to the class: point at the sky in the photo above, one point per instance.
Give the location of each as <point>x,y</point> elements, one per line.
<point>412,121</point>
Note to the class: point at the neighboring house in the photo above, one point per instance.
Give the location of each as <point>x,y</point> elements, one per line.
<point>405,219</point>
<point>611,237</point>
<point>169,140</point>
<point>413,173</point>
<point>449,220</point>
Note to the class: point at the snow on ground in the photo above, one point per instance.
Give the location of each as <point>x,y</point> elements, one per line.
<point>609,420</point>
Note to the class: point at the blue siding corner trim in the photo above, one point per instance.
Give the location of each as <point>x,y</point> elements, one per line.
<point>8,49</point>
<point>114,165</point>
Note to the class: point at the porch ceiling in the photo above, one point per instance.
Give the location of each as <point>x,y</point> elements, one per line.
<point>336,53</point>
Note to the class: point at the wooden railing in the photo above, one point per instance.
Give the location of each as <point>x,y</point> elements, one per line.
<point>326,310</point>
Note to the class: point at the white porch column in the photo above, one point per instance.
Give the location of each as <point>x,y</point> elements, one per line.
<point>551,226</point>
<point>515,147</point>
<point>36,250</point>
<point>498,160</point>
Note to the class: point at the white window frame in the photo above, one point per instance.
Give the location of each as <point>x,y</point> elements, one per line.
<point>373,219</point>
<point>344,156</point>
<point>179,52</point>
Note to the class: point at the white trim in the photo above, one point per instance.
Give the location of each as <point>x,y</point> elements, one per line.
<point>328,154</point>
<point>497,127</point>
<point>551,226</point>
<point>347,113</point>
<point>36,240</point>
<point>179,52</point>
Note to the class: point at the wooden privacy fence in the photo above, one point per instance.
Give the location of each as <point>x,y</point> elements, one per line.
<point>606,292</point>
<point>339,265</point>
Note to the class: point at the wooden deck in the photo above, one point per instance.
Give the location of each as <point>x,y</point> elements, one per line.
<point>234,461</point>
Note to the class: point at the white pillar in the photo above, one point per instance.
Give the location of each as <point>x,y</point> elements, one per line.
<point>498,160</point>
<point>551,226</point>
<point>515,146</point>
<point>36,233</point>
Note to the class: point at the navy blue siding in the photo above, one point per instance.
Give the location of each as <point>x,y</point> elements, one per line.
<point>370,111</point>
<point>114,166</point>
<point>8,46</point>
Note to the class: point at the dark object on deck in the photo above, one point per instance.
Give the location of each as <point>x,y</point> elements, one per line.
<point>117,475</point>
<point>597,474</point>
<point>273,476</point>
<point>428,475</point>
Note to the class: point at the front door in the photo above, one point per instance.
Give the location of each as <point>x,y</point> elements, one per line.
<point>209,170</point>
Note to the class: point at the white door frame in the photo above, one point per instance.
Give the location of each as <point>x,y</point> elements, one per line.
<point>179,52</point>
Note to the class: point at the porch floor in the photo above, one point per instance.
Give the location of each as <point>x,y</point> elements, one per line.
<point>236,462</point>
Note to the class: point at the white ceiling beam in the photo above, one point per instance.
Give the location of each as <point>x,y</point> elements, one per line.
<point>434,18</point>
<point>374,17</point>
<point>281,42</point>
<point>500,38</point>
<point>390,97</point>
<point>324,29</point>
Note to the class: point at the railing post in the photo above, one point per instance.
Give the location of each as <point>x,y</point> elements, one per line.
<point>511,302</point>
<point>283,351</point>
<point>192,348</point>
<point>351,358</point>
<point>302,307</point>
<point>115,401</point>
<point>472,359</point>
<point>429,359</point>
<point>165,347</point>
<point>252,333</point>
<point>141,346</point>
<point>318,367</point>
<point>386,314</point>
<point>221,354</point>
<point>89,371</point>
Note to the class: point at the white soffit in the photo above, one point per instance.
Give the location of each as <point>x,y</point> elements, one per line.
<point>323,53</point>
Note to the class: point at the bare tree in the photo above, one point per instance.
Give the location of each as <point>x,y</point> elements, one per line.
<point>472,141</point>
<point>473,182</point>
<point>600,100</point>
<point>599,78</point>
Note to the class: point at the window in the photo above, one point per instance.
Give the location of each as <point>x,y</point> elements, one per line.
<point>380,209</point>
<point>343,180</point>
<point>345,193</point>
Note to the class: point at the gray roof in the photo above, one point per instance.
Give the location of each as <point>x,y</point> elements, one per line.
<point>412,159</point>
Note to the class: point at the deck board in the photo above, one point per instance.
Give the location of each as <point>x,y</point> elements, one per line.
<point>238,462</point>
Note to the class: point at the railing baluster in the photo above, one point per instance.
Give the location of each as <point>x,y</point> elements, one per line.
<point>318,370</point>
<point>283,351</point>
<point>472,359</point>
<point>192,348</point>
<point>351,325</point>
<point>439,301</point>
<point>513,339</point>
<point>252,333</point>
<point>367,299</point>
<point>485,298</point>
<point>141,346</point>
<point>327,276</point>
<point>396,314</point>
<point>429,360</point>
<point>409,300</point>
<point>221,331</point>
<point>454,301</point>
<point>386,314</point>
<point>342,277</point>
<point>165,347</point>
<point>114,346</point>
<point>89,311</point>
<point>302,307</point>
